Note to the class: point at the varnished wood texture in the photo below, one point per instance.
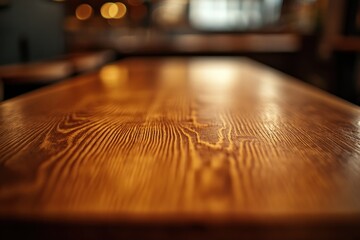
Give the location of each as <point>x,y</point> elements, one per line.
<point>198,147</point>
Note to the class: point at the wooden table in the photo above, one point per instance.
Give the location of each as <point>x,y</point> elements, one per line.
<point>180,148</point>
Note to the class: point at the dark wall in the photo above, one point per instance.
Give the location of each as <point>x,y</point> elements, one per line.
<point>30,30</point>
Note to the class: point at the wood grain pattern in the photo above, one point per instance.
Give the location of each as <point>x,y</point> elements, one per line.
<point>168,145</point>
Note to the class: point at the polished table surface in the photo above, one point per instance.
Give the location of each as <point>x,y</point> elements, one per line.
<point>173,148</point>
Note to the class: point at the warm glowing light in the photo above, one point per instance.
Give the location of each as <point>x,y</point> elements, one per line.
<point>121,10</point>
<point>113,75</point>
<point>113,10</point>
<point>83,11</point>
<point>169,13</point>
<point>105,10</point>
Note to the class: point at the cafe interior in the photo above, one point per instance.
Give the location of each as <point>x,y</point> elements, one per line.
<point>312,40</point>
<point>179,119</point>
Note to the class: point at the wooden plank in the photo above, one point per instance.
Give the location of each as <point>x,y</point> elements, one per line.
<point>180,148</point>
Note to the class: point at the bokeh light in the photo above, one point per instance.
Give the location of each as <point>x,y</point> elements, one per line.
<point>111,10</point>
<point>105,10</point>
<point>120,10</point>
<point>169,13</point>
<point>83,11</point>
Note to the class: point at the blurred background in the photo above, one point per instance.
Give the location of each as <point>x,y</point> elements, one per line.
<point>45,41</point>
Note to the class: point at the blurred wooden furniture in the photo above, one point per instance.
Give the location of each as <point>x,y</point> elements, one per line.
<point>341,41</point>
<point>21,78</point>
<point>39,72</point>
<point>180,148</point>
<point>224,43</point>
<point>89,61</point>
